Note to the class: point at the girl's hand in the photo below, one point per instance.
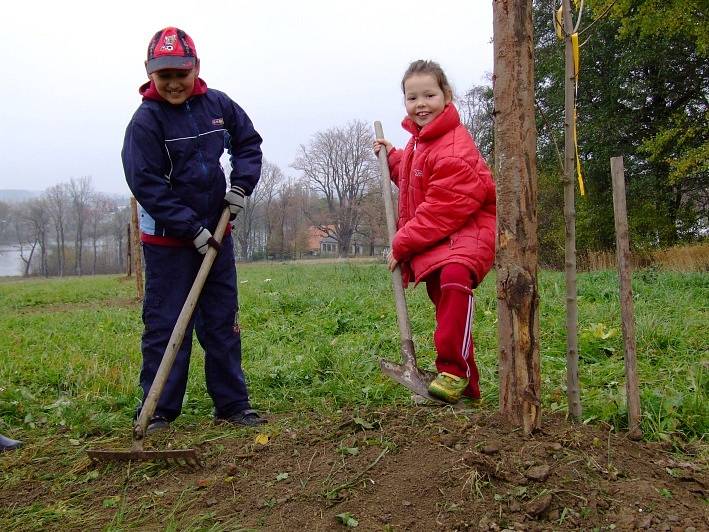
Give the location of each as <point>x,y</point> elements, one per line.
<point>378,143</point>
<point>392,263</point>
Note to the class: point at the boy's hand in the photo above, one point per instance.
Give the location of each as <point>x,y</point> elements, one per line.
<point>378,143</point>
<point>203,239</point>
<point>234,199</point>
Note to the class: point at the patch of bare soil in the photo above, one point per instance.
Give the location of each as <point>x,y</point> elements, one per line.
<point>116,303</point>
<point>418,468</point>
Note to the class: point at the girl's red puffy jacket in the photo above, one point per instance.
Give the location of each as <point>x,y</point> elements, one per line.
<point>446,200</point>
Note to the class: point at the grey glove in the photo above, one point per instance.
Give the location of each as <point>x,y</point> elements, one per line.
<point>234,199</point>
<point>203,239</point>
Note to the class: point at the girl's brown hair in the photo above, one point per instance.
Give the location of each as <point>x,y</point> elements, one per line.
<point>432,68</point>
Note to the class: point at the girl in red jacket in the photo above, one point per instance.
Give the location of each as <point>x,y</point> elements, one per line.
<point>446,225</point>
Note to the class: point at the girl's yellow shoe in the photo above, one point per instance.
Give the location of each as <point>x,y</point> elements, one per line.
<point>447,387</point>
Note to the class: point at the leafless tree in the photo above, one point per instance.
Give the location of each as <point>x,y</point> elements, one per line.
<point>31,223</point>
<point>256,210</point>
<point>339,164</point>
<point>289,227</point>
<point>476,108</point>
<point>373,225</point>
<point>57,200</point>
<point>80,191</point>
<point>97,213</point>
<point>119,223</point>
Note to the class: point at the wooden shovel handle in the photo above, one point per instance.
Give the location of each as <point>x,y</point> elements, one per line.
<point>402,313</point>
<point>178,334</point>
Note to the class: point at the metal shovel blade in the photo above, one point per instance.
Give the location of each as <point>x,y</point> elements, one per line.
<point>411,377</point>
<point>188,457</point>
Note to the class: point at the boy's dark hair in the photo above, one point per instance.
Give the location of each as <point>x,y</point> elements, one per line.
<point>428,67</point>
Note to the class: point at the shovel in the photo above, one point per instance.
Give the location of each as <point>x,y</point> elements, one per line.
<point>186,456</point>
<point>406,374</point>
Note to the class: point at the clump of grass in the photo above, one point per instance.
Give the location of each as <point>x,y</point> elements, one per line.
<point>684,258</point>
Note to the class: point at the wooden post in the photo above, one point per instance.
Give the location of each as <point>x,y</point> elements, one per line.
<point>573,393</point>
<point>516,239</point>
<point>620,214</point>
<point>135,247</point>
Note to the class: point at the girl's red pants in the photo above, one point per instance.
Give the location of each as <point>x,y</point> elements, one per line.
<point>451,290</point>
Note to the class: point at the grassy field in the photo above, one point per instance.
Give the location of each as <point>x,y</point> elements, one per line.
<point>313,334</point>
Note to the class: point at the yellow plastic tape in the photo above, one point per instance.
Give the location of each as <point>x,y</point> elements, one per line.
<point>559,23</point>
<point>575,49</point>
<point>582,189</point>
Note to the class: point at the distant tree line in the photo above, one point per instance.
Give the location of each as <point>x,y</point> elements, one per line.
<point>70,229</point>
<point>643,94</point>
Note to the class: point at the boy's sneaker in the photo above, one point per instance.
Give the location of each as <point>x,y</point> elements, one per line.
<point>448,387</point>
<point>157,423</point>
<point>247,418</point>
<point>8,444</point>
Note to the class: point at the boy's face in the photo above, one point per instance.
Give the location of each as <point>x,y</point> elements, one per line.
<point>424,99</point>
<point>175,85</point>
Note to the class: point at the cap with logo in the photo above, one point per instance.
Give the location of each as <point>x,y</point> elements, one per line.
<point>171,48</point>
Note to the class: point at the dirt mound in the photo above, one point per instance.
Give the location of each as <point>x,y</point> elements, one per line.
<point>411,468</point>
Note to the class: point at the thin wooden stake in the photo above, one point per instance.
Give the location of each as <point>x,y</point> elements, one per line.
<point>620,214</point>
<point>135,248</point>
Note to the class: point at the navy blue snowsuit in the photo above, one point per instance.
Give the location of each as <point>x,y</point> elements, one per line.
<point>171,161</point>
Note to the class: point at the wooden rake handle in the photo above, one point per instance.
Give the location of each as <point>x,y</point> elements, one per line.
<point>178,334</point>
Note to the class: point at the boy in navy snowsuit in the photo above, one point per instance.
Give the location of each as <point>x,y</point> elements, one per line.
<point>171,156</point>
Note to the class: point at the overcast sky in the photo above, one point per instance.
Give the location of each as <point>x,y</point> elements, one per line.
<point>71,71</point>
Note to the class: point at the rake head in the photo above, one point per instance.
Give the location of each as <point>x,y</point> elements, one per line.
<point>411,377</point>
<point>183,457</point>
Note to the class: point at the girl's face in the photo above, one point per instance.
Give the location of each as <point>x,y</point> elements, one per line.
<point>423,98</point>
<point>175,85</point>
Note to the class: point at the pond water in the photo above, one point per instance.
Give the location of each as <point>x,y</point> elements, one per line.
<point>10,262</point>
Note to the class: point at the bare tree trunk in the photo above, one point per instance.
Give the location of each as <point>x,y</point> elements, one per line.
<point>80,191</point>
<point>59,258</point>
<point>94,242</point>
<point>516,240</point>
<point>28,261</point>
<point>573,393</point>
<point>44,262</point>
<point>57,198</point>
<point>62,252</point>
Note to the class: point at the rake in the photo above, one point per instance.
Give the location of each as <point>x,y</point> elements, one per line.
<point>175,456</point>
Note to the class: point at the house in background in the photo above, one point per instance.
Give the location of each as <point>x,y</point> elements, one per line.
<point>320,244</point>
